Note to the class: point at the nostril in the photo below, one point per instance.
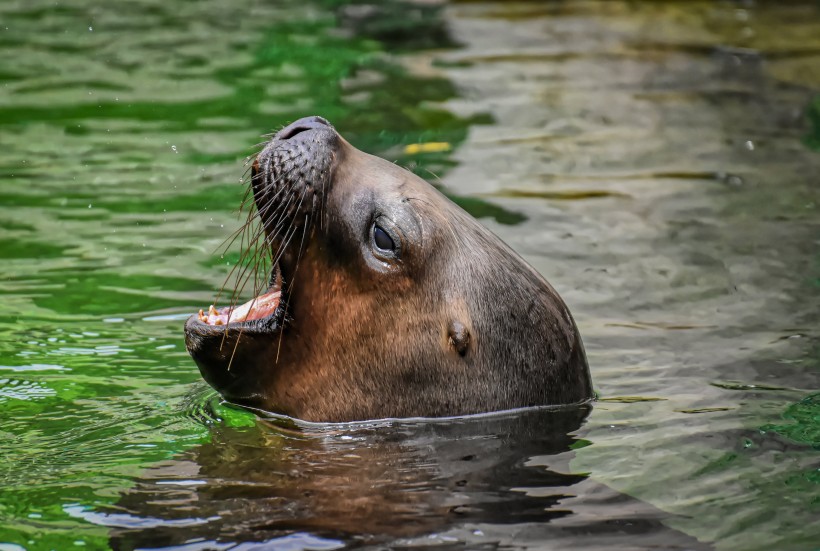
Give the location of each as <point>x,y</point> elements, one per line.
<point>302,125</point>
<point>320,120</point>
<point>290,131</point>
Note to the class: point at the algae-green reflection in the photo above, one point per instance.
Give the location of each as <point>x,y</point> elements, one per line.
<point>130,130</point>
<point>803,426</point>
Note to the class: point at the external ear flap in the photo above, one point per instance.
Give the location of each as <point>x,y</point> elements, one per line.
<point>458,337</point>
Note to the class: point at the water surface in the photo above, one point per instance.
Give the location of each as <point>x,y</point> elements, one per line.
<point>657,162</point>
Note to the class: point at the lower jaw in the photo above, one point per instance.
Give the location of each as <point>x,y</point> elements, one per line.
<point>250,401</point>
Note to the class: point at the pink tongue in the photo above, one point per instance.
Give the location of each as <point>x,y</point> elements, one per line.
<point>254,309</point>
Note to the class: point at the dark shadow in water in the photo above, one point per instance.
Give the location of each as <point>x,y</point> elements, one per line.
<point>482,480</point>
<point>398,25</point>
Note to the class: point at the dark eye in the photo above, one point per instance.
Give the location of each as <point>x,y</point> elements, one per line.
<point>382,239</point>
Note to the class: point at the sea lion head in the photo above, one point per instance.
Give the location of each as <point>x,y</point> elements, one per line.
<point>385,299</point>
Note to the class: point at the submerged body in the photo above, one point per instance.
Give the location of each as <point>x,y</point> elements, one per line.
<point>385,300</point>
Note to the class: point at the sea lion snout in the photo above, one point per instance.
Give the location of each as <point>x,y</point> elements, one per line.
<point>291,174</point>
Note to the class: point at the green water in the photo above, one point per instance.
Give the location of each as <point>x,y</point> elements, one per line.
<point>607,142</point>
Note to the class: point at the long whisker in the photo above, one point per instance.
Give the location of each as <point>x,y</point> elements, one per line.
<point>269,221</point>
<point>252,257</point>
<point>247,244</point>
<point>283,216</point>
<point>247,269</point>
<point>293,278</point>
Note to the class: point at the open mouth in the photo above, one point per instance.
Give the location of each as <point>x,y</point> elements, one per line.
<point>257,308</point>
<point>266,305</point>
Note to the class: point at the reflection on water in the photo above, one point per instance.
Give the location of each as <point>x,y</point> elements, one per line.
<point>444,483</point>
<point>657,161</point>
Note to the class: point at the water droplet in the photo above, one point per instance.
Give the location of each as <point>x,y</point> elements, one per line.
<point>734,180</point>
<point>90,28</point>
<point>750,145</point>
<point>174,148</point>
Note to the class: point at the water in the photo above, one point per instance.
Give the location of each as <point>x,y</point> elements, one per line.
<point>657,162</point>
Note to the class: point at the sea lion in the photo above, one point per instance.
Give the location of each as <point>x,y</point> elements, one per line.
<point>385,299</point>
